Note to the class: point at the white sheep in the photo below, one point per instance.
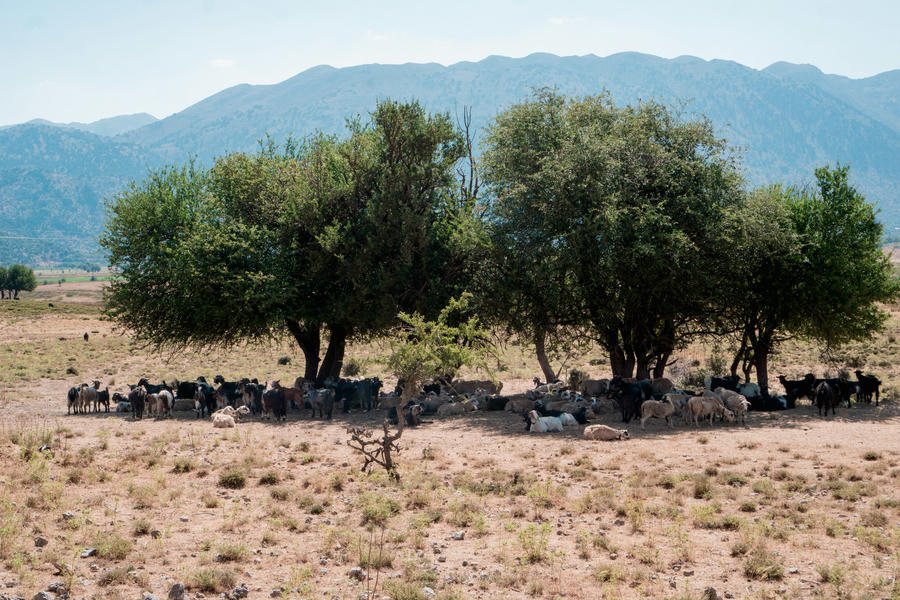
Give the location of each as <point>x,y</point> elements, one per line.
<point>604,433</point>
<point>234,413</point>
<point>223,421</point>
<point>541,424</point>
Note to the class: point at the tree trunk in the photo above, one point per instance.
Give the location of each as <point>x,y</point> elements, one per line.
<point>643,367</point>
<point>761,358</point>
<point>309,340</point>
<point>659,369</point>
<point>334,356</point>
<point>622,364</point>
<point>540,339</point>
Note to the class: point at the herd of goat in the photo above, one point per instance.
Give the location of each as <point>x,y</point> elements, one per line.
<point>546,408</point>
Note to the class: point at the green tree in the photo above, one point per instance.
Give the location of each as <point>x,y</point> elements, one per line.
<point>422,350</point>
<point>620,207</point>
<point>806,264</point>
<point>331,236</point>
<point>20,278</point>
<point>3,274</point>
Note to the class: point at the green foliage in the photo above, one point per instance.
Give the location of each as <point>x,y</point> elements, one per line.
<point>424,350</point>
<point>611,209</point>
<point>17,278</point>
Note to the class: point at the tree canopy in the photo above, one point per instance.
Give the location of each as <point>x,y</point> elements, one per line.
<point>614,210</point>
<point>329,235</point>
<point>17,278</point>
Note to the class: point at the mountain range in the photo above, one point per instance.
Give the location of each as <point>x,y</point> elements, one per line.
<point>787,119</point>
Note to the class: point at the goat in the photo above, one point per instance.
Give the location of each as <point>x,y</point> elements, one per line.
<point>469,387</point>
<point>274,403</point>
<point>749,389</point>
<point>629,396</point>
<point>321,400</point>
<point>87,396</point>
<point>204,399</point>
<point>594,387</point>
<point>729,382</point>
<point>541,424</point>
<point>826,396</point>
<point>102,399</point>
<point>137,398</point>
<point>604,433</point>
<point>799,388</point>
<point>868,384</point>
<point>72,400</point>
<point>164,402</point>
<point>227,394</point>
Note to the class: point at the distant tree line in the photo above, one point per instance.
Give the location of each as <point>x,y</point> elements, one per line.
<point>15,279</point>
<point>581,222</point>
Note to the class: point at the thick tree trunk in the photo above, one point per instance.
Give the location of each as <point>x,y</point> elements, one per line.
<point>309,340</point>
<point>621,363</point>
<point>659,369</point>
<point>540,348</point>
<point>643,367</point>
<point>334,355</point>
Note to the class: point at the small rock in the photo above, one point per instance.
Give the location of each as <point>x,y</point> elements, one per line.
<point>63,568</point>
<point>176,592</point>
<point>67,515</point>
<point>88,552</point>
<point>428,592</point>
<point>40,541</point>
<point>57,588</point>
<point>619,522</point>
<point>275,594</point>
<point>459,535</point>
<point>240,591</point>
<point>155,534</point>
<point>728,594</point>
<point>357,573</point>
<point>43,596</point>
<point>613,556</point>
<point>793,570</point>
<point>184,519</point>
<point>687,572</point>
<point>442,559</point>
<point>148,596</point>
<point>710,593</point>
<point>672,583</point>
<point>465,563</point>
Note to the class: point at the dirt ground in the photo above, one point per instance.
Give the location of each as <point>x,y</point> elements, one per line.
<point>791,505</point>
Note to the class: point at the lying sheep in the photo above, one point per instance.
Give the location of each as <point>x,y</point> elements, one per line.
<point>594,387</point>
<point>451,409</point>
<point>568,419</point>
<point>123,406</point>
<point>604,433</point>
<point>222,421</point>
<point>519,405</point>
<point>235,413</point>
<point>659,410</point>
<point>541,424</point>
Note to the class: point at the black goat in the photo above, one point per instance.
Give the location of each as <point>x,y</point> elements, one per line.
<point>868,384</point>
<point>799,388</point>
<point>826,396</point>
<point>629,396</point>
<point>729,382</point>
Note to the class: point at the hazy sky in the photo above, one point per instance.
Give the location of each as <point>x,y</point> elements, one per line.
<point>84,60</point>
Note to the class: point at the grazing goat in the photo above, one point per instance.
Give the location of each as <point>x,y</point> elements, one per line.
<point>868,385</point>
<point>658,410</point>
<point>604,433</point>
<point>826,396</point>
<point>541,424</point>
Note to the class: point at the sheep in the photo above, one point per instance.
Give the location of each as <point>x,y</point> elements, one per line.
<point>235,413</point>
<point>468,387</point>
<point>659,410</point>
<point>739,405</point>
<point>679,401</point>
<point>519,405</point>
<point>604,433</point>
<point>567,419</point>
<point>433,402</point>
<point>87,396</point>
<point>151,404</point>
<point>704,407</point>
<point>223,421</point>
<point>451,409</point>
<point>594,387</point>
<point>541,424</point>
<point>749,389</point>
<point>164,402</point>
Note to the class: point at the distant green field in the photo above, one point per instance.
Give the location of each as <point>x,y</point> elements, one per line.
<point>45,281</point>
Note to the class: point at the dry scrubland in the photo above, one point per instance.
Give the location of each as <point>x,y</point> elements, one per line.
<point>790,506</point>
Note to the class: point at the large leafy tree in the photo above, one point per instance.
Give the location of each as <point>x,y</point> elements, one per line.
<point>332,236</point>
<point>19,278</point>
<point>805,263</point>
<point>623,209</point>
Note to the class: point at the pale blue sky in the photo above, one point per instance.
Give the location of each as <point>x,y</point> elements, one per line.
<point>85,60</point>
